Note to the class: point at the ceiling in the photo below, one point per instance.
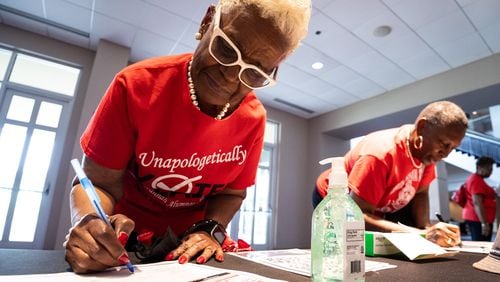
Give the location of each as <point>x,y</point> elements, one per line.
<point>428,37</point>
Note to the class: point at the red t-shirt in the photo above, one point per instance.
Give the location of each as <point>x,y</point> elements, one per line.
<point>174,154</point>
<point>381,172</point>
<point>476,185</point>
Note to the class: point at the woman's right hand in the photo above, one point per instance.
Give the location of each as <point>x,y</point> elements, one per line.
<point>444,234</point>
<point>92,245</point>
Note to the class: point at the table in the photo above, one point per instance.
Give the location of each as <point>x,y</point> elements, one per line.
<point>457,268</point>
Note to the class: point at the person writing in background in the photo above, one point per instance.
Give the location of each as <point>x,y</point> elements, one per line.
<point>176,140</point>
<point>480,208</point>
<point>390,171</point>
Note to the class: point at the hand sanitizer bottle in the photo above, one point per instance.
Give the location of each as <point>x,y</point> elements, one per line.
<point>338,232</point>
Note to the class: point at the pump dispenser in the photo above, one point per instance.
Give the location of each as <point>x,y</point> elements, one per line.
<point>337,176</point>
<point>338,231</point>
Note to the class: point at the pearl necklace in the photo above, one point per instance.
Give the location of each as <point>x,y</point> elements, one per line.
<point>194,99</point>
<point>409,153</point>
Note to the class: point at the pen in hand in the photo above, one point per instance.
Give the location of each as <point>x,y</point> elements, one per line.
<point>440,218</point>
<point>93,197</point>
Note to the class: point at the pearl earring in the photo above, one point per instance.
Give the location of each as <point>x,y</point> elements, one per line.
<point>197,36</point>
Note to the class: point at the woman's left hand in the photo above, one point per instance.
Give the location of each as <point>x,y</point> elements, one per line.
<point>197,243</point>
<point>444,234</point>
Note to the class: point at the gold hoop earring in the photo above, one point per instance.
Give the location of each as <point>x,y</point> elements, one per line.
<point>197,36</point>
<point>420,141</point>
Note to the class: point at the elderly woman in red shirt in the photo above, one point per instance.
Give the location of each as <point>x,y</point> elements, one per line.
<point>390,172</point>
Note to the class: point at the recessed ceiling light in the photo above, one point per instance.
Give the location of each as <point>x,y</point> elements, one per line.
<point>317,65</point>
<point>382,31</point>
<point>474,113</point>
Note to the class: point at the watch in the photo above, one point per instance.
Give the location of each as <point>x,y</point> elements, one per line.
<point>212,227</point>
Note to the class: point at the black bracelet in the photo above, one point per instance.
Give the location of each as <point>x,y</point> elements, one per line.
<point>212,227</point>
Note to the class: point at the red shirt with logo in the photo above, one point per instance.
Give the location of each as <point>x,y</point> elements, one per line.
<point>381,172</point>
<point>476,185</point>
<point>175,155</point>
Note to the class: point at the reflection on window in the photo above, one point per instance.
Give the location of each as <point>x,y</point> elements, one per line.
<point>246,226</point>
<point>44,74</point>
<point>262,220</point>
<point>11,145</point>
<point>271,135</point>
<point>262,195</point>
<point>25,216</point>
<point>265,158</point>
<point>4,62</point>
<point>49,114</point>
<point>20,108</point>
<point>37,160</point>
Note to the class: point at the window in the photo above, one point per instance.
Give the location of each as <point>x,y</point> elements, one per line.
<point>253,222</point>
<point>43,74</point>
<point>35,96</point>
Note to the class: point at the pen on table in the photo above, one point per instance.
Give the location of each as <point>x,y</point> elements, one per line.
<point>218,275</point>
<point>93,197</point>
<point>440,218</point>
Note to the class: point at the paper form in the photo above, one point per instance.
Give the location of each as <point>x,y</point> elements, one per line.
<point>415,246</point>
<point>480,247</point>
<point>170,271</point>
<point>297,260</point>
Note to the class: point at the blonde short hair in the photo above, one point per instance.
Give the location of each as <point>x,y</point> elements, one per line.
<point>290,16</point>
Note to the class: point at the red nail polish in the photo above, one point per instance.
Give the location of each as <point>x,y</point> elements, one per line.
<point>182,259</point>
<point>123,238</point>
<point>220,258</point>
<point>169,256</point>
<point>123,259</point>
<point>146,238</point>
<point>200,260</point>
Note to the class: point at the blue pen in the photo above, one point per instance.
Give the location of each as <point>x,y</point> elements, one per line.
<point>94,198</point>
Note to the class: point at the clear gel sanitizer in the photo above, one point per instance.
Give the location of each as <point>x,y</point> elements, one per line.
<point>338,232</point>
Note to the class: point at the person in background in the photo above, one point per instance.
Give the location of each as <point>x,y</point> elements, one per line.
<point>480,209</point>
<point>390,171</point>
<point>176,140</point>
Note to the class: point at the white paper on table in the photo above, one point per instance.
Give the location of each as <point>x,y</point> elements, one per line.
<point>170,271</point>
<point>297,260</point>
<point>480,247</point>
<point>416,247</point>
<point>292,260</point>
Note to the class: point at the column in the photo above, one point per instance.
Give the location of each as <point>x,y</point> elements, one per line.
<point>438,193</point>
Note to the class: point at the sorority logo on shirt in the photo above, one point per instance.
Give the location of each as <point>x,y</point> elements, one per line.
<point>177,190</point>
<point>403,192</point>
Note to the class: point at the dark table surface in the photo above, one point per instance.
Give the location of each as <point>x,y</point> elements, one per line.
<point>457,268</point>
